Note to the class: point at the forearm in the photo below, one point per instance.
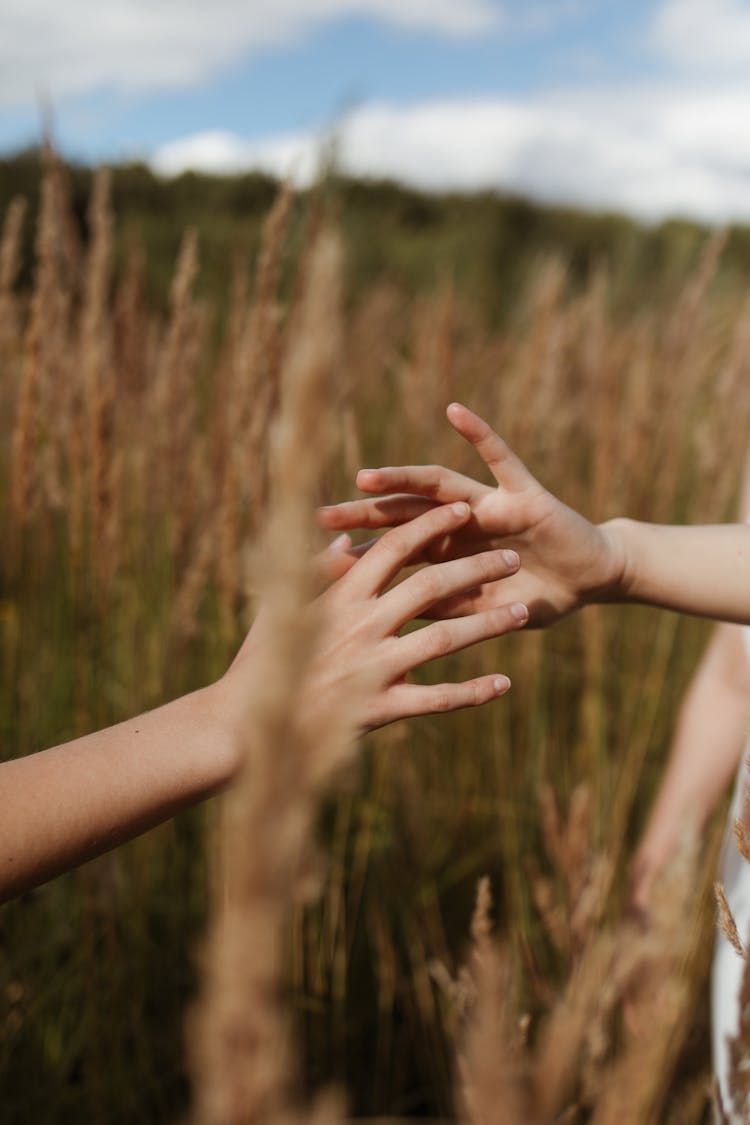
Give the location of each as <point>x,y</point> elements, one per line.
<point>70,803</point>
<point>706,749</point>
<point>698,570</point>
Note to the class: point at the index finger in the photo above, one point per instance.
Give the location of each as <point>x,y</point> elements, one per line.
<point>371,514</point>
<point>432,481</point>
<point>507,469</point>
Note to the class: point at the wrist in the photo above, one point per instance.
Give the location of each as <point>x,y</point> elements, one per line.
<point>223,742</point>
<point>617,574</point>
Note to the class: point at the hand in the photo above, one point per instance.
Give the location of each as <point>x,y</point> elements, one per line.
<point>566,561</point>
<point>362,623</point>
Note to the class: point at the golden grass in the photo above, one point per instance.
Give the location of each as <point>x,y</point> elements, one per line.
<point>162,473</point>
<point>240,1040</point>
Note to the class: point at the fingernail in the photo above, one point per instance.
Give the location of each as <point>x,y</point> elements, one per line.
<point>340,543</point>
<point>460,508</point>
<point>501,684</point>
<point>511,558</point>
<point>519,611</point>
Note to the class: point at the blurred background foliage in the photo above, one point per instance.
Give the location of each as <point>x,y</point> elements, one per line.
<point>487,244</point>
<point>613,356</point>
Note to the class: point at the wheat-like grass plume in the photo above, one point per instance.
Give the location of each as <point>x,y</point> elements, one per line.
<point>241,1049</point>
<point>489,1064</point>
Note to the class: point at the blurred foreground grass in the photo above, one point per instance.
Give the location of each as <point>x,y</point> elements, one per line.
<point>134,413</point>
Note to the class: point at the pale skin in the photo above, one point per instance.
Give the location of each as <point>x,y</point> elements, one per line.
<point>69,803</point>
<point>709,738</point>
<point>568,562</point>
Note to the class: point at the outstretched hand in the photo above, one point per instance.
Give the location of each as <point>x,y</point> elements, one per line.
<point>363,623</point>
<point>565,560</point>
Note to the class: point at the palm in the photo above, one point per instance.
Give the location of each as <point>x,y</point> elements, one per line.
<point>558,549</point>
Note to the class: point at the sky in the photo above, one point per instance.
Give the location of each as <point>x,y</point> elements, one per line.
<point>639,106</point>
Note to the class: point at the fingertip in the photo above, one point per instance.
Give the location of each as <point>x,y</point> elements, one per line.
<point>340,543</point>
<point>520,613</point>
<point>500,685</point>
<point>461,509</point>
<point>456,409</point>
<point>463,420</point>
<point>368,480</point>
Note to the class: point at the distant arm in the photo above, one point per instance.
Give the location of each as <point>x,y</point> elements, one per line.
<point>711,732</point>
<point>707,746</point>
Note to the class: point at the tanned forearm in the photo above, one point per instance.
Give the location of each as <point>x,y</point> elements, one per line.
<point>65,805</point>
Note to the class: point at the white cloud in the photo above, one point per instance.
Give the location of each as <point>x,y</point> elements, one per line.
<point>75,46</point>
<point>703,35</point>
<point>295,155</point>
<point>651,152</point>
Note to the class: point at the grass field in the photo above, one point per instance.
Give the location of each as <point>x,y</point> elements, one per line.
<point>134,481</point>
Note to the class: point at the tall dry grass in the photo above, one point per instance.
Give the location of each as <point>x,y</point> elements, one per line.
<point>158,472</point>
<point>240,1042</point>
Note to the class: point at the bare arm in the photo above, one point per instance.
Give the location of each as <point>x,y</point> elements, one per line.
<point>70,803</point>
<point>699,570</point>
<point>708,741</point>
<point>706,749</point>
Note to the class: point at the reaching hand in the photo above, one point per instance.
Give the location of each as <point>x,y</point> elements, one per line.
<point>362,623</point>
<point>565,560</point>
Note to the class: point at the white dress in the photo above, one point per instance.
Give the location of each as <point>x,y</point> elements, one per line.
<point>728,966</point>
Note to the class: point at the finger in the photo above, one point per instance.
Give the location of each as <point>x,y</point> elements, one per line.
<point>445,637</point>
<point>407,700</point>
<point>441,581</point>
<point>362,548</point>
<point>335,561</point>
<point>462,605</point>
<point>398,547</point>
<point>433,481</point>
<point>507,469</point>
<point>388,511</point>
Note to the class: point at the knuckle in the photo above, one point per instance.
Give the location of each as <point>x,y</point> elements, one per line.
<point>392,544</point>
<point>500,619</point>
<point>492,565</point>
<point>440,640</point>
<point>431,477</point>
<point>478,695</point>
<point>485,567</point>
<point>425,587</point>
<point>442,699</point>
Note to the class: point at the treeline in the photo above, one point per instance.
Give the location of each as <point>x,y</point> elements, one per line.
<point>484,245</point>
